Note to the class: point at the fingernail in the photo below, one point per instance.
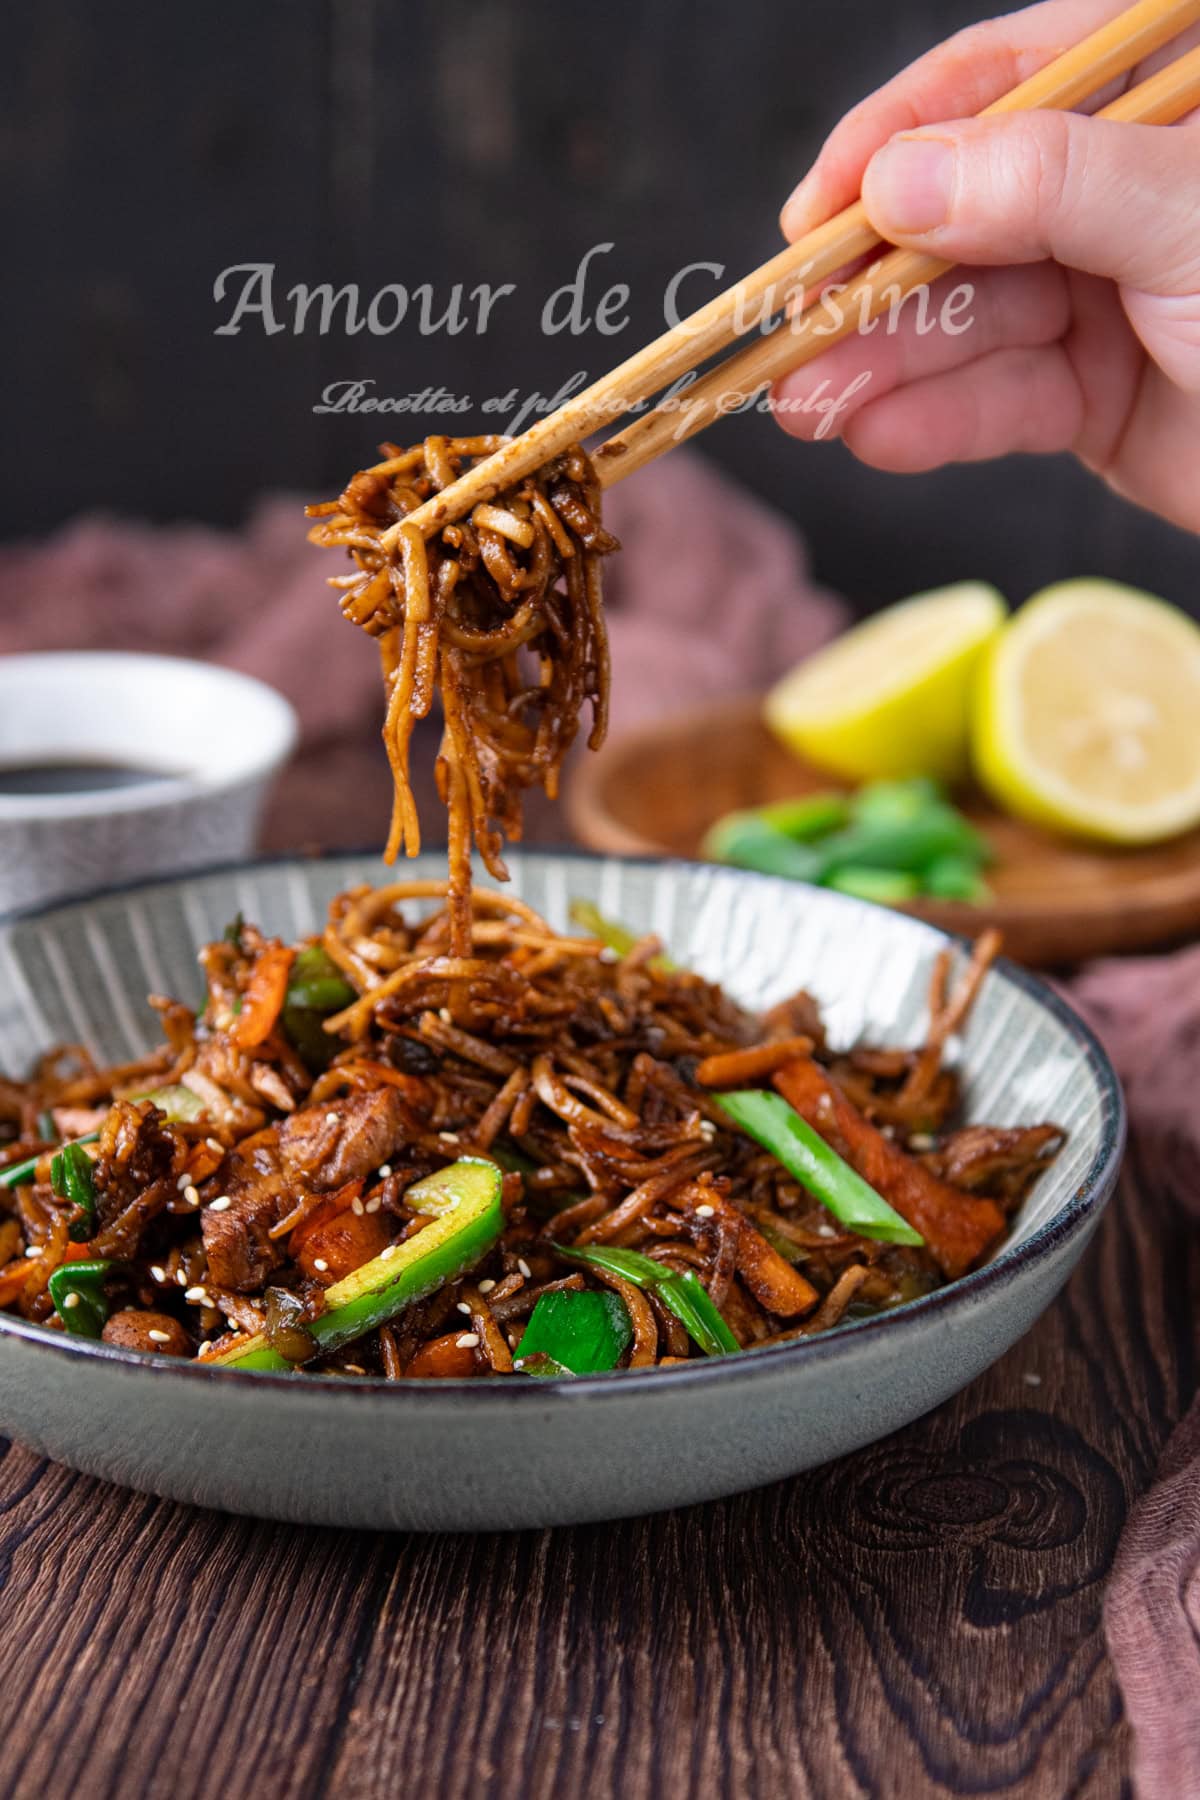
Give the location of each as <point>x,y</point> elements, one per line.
<point>909,185</point>
<point>797,208</point>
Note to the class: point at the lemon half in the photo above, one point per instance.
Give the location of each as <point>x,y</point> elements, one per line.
<point>1087,714</point>
<point>891,696</point>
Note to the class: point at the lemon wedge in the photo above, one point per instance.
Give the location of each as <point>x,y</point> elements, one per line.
<point>1087,714</point>
<point>890,697</point>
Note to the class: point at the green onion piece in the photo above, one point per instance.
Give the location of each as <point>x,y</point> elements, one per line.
<point>316,988</point>
<point>584,1333</point>
<point>749,841</point>
<point>464,1205</point>
<point>47,1130</point>
<point>887,887</point>
<point>21,1172</point>
<point>77,1290</point>
<point>317,983</point>
<point>955,877</point>
<point>778,1127</point>
<point>807,817</point>
<point>614,936</point>
<point>541,1364</point>
<point>71,1179</point>
<point>895,802</point>
<point>685,1295</point>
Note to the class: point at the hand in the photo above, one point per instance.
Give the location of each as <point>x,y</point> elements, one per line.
<point>1083,240</point>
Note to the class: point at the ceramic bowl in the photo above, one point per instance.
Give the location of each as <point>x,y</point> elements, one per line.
<point>454,1455</point>
<point>217,739</point>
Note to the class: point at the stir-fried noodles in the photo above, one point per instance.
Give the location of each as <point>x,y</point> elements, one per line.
<point>501,614</point>
<point>288,1141</point>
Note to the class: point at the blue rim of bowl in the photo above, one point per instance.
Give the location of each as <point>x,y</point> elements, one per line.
<point>1072,1216</point>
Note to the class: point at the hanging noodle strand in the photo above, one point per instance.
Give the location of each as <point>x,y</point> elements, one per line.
<point>501,614</point>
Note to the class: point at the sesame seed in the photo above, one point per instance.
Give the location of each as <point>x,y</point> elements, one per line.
<point>608,955</point>
<point>158,1272</point>
<point>34,1250</point>
<point>390,1251</point>
<point>708,1129</point>
<point>184,1181</point>
<point>216,1146</point>
<point>463,1307</point>
<point>468,1341</point>
<point>222,1203</point>
<point>159,1337</point>
<point>356,1206</point>
<point>197,1294</point>
<point>230,1115</point>
<point>320,1264</point>
<point>445,1015</point>
<point>205,1347</point>
<point>705,1211</point>
<point>921,1140</point>
<point>71,1301</point>
<point>448,1137</point>
<point>1030,1379</point>
<point>373,1206</point>
<point>332,1118</point>
<point>385,1170</point>
<point>355,1369</point>
<point>524,1267</point>
<point>191,1195</point>
<point>485,1287</point>
<point>181,1277</point>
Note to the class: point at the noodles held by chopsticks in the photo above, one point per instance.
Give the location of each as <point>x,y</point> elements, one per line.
<point>501,614</point>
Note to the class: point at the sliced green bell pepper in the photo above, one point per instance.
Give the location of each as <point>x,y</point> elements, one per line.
<point>464,1201</point>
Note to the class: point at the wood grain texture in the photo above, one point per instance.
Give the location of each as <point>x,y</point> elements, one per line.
<point>657,789</point>
<point>922,1618</point>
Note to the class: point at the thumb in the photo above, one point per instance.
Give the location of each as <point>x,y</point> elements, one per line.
<point>1117,200</point>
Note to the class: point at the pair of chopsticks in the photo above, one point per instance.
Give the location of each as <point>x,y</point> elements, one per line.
<point>800,269</point>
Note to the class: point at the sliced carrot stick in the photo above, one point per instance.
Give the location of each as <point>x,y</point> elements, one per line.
<point>444,1356</point>
<point>772,1280</point>
<point>738,1068</point>
<point>958,1227</point>
<point>264,997</point>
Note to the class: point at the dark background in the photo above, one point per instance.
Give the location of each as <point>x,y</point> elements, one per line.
<point>145,148</point>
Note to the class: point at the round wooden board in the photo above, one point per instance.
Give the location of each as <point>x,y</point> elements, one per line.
<point>655,791</point>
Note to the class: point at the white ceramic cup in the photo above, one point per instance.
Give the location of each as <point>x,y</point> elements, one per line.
<point>213,739</point>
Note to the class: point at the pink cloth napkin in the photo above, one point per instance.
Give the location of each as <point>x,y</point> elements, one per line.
<point>1146,1012</point>
<point>712,595</point>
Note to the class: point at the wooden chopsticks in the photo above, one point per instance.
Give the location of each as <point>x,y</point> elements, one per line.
<point>1159,100</point>
<point>782,281</point>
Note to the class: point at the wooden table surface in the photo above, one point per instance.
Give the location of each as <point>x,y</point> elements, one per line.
<point>921,1618</point>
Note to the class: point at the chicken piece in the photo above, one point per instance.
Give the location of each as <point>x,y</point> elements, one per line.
<point>344,1140</point>
<point>241,1252</point>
